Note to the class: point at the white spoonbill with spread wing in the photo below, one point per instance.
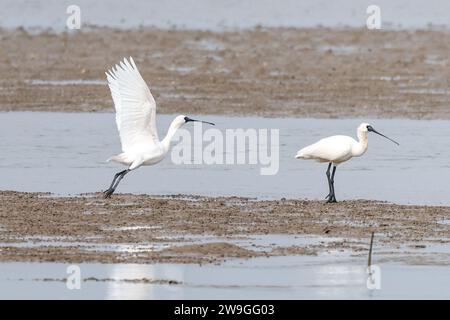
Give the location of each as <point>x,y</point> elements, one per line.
<point>338,149</point>
<point>136,121</point>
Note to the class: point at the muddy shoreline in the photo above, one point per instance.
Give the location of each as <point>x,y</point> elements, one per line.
<point>319,72</point>
<point>192,229</point>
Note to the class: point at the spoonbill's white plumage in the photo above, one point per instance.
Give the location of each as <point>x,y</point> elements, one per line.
<point>338,149</point>
<point>136,121</point>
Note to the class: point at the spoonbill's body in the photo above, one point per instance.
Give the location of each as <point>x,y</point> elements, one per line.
<point>136,121</point>
<point>336,150</point>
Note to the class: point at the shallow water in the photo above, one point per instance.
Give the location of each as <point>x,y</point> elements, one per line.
<point>65,153</point>
<point>260,278</point>
<point>331,274</point>
<point>224,14</point>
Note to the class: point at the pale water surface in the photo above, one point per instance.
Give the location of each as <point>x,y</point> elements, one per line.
<point>224,14</point>
<point>297,277</point>
<point>65,153</point>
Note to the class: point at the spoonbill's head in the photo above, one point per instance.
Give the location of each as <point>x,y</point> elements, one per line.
<point>365,127</point>
<point>185,119</point>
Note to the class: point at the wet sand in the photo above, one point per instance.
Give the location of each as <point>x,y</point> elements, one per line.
<point>144,229</point>
<point>320,72</point>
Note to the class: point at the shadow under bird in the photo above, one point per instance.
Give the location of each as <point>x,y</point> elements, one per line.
<point>136,121</point>
<point>338,149</point>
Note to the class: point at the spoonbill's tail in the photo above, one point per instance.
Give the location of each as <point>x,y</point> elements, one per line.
<point>120,158</point>
<point>304,153</point>
<point>299,155</point>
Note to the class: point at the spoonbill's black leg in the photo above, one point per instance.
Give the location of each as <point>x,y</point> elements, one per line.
<point>117,178</point>
<point>333,197</point>
<point>329,183</point>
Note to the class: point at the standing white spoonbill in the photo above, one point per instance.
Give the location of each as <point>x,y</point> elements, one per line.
<point>338,149</point>
<point>136,121</point>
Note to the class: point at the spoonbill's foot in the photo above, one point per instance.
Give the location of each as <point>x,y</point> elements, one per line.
<point>331,198</point>
<point>107,194</point>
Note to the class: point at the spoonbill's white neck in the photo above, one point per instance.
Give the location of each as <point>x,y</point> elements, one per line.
<point>363,143</point>
<point>174,126</point>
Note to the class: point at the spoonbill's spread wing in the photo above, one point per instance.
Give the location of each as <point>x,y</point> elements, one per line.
<point>135,106</point>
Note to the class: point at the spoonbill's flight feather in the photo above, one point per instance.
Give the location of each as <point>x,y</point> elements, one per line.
<point>135,106</point>
<point>338,149</point>
<point>136,121</point>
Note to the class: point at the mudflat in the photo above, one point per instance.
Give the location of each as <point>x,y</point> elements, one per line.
<point>319,72</point>
<point>192,229</point>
